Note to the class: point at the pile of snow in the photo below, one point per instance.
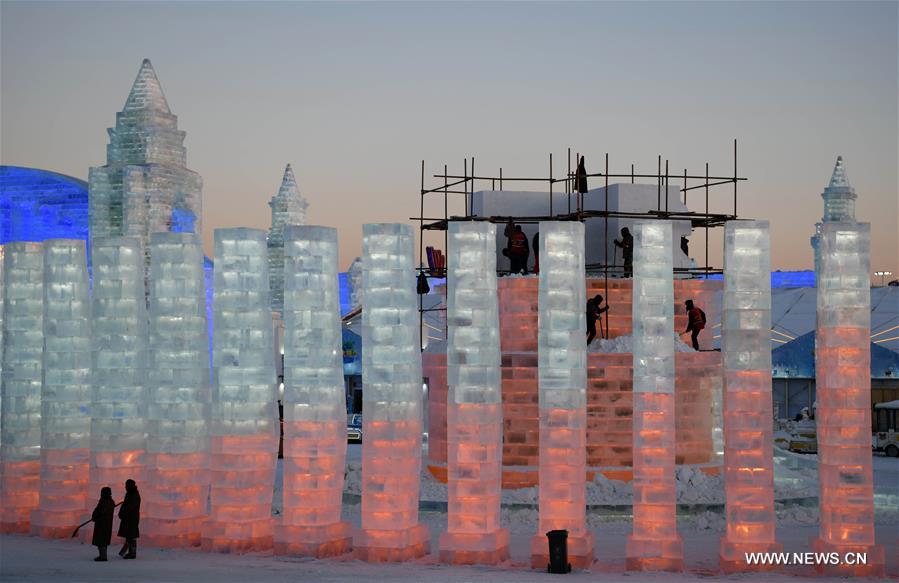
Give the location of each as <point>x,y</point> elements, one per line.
<point>626,344</point>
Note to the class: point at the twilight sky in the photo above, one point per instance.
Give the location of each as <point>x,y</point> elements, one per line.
<point>355,95</point>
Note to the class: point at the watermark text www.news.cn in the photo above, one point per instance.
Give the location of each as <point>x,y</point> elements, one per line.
<point>808,558</point>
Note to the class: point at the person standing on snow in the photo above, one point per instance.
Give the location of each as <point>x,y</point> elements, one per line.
<point>102,519</point>
<point>129,514</point>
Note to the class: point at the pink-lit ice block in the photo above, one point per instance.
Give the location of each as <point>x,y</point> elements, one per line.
<point>843,416</point>
<point>748,416</point>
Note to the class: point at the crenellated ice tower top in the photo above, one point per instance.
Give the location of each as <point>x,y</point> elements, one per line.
<point>288,209</point>
<point>839,205</point>
<point>145,186</point>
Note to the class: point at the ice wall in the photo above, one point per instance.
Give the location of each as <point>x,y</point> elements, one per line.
<point>562,378</point>
<point>20,385</point>
<point>748,415</point>
<point>843,381</point>
<point>119,361</point>
<point>244,425</point>
<point>474,405</point>
<point>654,544</point>
<point>178,393</point>
<point>66,390</point>
<point>314,402</point>
<point>392,400</point>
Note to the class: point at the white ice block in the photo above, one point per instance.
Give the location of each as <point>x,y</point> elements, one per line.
<point>20,385</point>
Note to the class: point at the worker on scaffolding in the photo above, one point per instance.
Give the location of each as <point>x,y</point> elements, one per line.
<point>627,250</point>
<point>517,250</point>
<point>595,309</point>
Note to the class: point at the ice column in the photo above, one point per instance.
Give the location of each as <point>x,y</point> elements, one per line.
<point>119,360</point>
<point>20,452</point>
<point>392,421</point>
<point>314,401</point>
<point>244,399</point>
<point>66,390</point>
<point>748,416</point>
<point>474,405</point>
<point>843,372</point>
<point>178,393</point>
<point>654,544</point>
<point>562,379</point>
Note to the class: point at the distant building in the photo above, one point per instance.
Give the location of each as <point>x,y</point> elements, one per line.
<point>36,205</point>
<point>288,209</point>
<point>839,204</point>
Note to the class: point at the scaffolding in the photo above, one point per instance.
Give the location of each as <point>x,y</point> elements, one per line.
<point>467,183</point>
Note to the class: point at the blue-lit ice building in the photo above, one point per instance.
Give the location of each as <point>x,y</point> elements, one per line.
<point>36,205</point>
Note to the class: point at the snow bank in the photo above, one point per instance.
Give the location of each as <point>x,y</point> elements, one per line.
<point>626,344</point>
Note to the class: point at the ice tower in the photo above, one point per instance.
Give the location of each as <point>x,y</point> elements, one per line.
<point>20,386</point>
<point>66,391</point>
<point>288,209</point>
<point>843,417</point>
<point>654,544</point>
<point>145,186</point>
<point>244,427</point>
<point>839,205</point>
<point>392,422</point>
<point>314,401</point>
<point>178,393</point>
<point>474,404</point>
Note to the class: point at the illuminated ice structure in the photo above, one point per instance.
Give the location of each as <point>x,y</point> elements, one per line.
<point>843,416</point>
<point>314,401</point>
<point>178,394</point>
<point>20,447</point>
<point>119,361</point>
<point>244,427</point>
<point>839,206</point>
<point>392,400</point>
<point>288,208</point>
<point>654,544</point>
<point>474,404</point>
<point>748,416</point>
<point>562,378</point>
<point>66,391</point>
<point>145,186</point>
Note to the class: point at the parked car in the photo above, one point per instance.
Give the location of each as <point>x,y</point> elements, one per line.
<point>886,428</point>
<point>354,428</point>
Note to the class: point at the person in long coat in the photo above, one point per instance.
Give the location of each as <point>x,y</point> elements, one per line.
<point>102,518</point>
<point>129,514</point>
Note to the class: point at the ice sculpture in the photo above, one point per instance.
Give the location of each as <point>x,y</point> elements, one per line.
<point>354,274</point>
<point>178,393</point>
<point>119,361</point>
<point>654,543</point>
<point>843,417</point>
<point>145,186</point>
<point>288,208</point>
<point>20,446</point>
<point>392,419</point>
<point>314,401</point>
<point>748,416</point>
<point>244,425</point>
<point>474,404</point>
<point>562,378</point>
<point>66,390</point>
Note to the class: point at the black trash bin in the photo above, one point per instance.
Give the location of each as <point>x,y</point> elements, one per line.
<point>558,552</point>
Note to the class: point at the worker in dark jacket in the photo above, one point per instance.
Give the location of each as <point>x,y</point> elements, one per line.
<point>627,250</point>
<point>695,322</point>
<point>102,518</point>
<point>519,251</point>
<point>594,312</point>
<point>129,514</point>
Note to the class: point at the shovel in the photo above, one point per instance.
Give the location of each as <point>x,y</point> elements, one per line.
<point>88,521</point>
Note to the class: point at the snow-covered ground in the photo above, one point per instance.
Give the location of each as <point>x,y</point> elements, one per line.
<point>34,559</point>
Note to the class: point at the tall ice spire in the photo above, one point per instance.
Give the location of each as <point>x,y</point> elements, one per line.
<point>839,205</point>
<point>146,93</point>
<point>288,209</point>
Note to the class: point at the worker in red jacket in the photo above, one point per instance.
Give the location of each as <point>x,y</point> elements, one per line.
<point>518,251</point>
<point>695,322</point>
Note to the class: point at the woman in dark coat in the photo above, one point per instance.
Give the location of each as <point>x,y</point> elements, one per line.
<point>129,514</point>
<point>102,517</point>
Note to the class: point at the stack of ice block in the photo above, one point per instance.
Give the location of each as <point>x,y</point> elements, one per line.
<point>748,417</point>
<point>178,393</point>
<point>314,402</point>
<point>474,402</point>
<point>66,391</point>
<point>119,361</point>
<point>20,452</point>
<point>244,424</point>
<point>562,378</point>
<point>843,372</point>
<point>288,208</point>
<point>654,543</point>
<point>392,422</point>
